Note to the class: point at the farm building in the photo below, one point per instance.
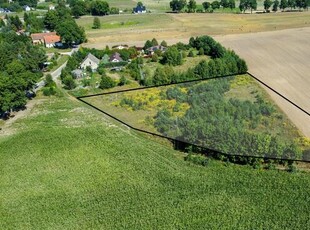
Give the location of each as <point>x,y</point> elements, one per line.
<point>91,61</point>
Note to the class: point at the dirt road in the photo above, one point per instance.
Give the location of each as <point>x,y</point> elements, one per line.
<point>281,59</point>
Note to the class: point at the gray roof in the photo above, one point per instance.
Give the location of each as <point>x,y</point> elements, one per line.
<point>116,56</point>
<point>91,57</point>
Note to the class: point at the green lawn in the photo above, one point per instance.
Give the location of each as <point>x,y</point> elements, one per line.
<point>68,167</point>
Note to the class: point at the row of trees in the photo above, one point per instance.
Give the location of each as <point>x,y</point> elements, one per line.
<point>283,4</point>
<point>223,62</point>
<point>191,6</point>
<point>96,7</point>
<point>20,68</point>
<point>229,126</point>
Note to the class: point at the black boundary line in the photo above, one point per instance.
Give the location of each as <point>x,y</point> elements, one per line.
<point>175,140</point>
<point>156,86</point>
<point>294,104</point>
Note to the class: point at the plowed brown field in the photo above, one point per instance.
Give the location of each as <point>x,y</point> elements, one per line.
<point>281,59</point>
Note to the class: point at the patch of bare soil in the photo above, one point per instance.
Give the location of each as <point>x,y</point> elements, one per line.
<point>7,128</point>
<point>281,60</point>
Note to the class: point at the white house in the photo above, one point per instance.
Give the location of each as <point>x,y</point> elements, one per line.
<point>116,57</point>
<point>26,8</point>
<point>91,61</point>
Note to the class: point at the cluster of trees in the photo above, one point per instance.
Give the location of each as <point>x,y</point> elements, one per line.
<point>20,68</point>
<point>223,62</point>
<point>17,6</point>
<point>61,21</point>
<point>283,4</point>
<point>226,125</point>
<point>153,42</point>
<point>96,7</point>
<point>191,6</point>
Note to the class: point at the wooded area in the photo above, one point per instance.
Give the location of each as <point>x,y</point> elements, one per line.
<point>20,69</point>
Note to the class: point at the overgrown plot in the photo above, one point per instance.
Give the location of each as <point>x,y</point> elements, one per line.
<point>232,115</point>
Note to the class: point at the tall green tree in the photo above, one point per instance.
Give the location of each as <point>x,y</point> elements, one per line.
<point>267,4</point>
<point>191,6</point>
<point>99,8</point>
<point>96,23</point>
<point>283,4</point>
<point>70,32</point>
<point>206,5</point>
<point>248,4</point>
<point>275,5</point>
<point>172,57</point>
<point>51,20</point>
<point>79,8</point>
<point>177,5</point>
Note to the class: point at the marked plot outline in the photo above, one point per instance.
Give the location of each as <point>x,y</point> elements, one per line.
<point>159,110</point>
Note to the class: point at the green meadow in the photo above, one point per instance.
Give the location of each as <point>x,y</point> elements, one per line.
<point>67,166</point>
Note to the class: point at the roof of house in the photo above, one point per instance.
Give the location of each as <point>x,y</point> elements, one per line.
<point>77,72</point>
<point>40,36</point>
<point>116,56</point>
<point>154,48</point>
<point>139,9</point>
<point>51,39</point>
<point>92,58</point>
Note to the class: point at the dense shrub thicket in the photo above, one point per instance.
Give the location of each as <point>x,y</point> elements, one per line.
<point>227,125</point>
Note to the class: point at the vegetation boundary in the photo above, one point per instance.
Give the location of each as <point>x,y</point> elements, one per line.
<point>175,141</point>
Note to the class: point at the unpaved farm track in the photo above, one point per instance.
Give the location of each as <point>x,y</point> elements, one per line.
<point>281,59</point>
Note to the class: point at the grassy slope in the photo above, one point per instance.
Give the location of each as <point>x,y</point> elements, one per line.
<point>70,168</point>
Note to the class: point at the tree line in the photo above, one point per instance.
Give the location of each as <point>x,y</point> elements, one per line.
<point>191,5</point>
<point>223,62</point>
<point>20,68</point>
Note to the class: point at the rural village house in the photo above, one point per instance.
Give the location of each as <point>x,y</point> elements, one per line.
<point>139,9</point>
<point>41,38</point>
<point>26,8</point>
<point>91,61</point>
<point>116,57</point>
<point>152,49</point>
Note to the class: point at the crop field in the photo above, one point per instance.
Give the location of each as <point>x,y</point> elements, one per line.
<point>69,167</point>
<point>281,60</point>
<point>136,29</point>
<point>221,114</point>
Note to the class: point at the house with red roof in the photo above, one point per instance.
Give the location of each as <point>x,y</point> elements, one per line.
<point>48,39</point>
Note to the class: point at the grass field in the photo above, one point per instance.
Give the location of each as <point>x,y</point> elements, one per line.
<point>136,29</point>
<point>68,167</point>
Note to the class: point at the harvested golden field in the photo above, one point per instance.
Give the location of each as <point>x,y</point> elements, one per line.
<point>281,60</point>
<point>136,29</point>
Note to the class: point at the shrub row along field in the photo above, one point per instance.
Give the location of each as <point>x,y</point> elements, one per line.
<point>69,168</point>
<point>232,115</point>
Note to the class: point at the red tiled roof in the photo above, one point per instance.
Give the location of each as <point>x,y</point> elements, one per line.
<point>40,36</point>
<point>51,39</point>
